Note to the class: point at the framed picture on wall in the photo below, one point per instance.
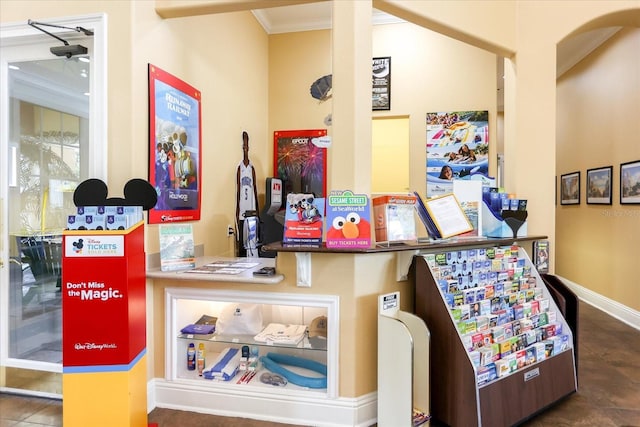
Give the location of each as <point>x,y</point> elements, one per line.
<point>300,161</point>
<point>570,188</point>
<point>630,183</point>
<point>381,91</point>
<point>599,185</point>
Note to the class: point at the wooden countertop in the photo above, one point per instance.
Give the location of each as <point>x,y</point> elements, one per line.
<point>453,242</point>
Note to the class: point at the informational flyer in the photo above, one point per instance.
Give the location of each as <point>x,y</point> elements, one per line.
<point>541,255</point>
<point>394,218</point>
<point>448,216</point>
<point>381,83</point>
<point>303,221</point>
<point>177,250</point>
<point>348,220</point>
<point>222,267</point>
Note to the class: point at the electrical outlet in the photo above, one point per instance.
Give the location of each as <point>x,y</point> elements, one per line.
<point>230,231</point>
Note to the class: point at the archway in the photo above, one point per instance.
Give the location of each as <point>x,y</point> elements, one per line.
<point>598,103</point>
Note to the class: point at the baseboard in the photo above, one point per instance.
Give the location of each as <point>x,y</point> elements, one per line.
<point>151,395</point>
<point>288,409</point>
<point>620,311</point>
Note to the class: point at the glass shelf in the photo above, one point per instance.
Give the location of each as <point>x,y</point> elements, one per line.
<point>248,340</point>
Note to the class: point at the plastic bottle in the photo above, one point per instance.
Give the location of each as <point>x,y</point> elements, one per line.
<point>200,358</point>
<point>191,357</point>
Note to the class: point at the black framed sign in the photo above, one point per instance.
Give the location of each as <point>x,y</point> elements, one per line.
<point>381,91</point>
<point>599,185</point>
<point>570,189</point>
<point>630,183</point>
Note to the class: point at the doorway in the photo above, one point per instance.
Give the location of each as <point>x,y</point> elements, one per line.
<point>47,141</point>
<point>390,155</point>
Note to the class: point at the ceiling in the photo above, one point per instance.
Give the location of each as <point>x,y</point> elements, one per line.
<point>317,16</point>
<point>306,17</point>
<point>68,73</point>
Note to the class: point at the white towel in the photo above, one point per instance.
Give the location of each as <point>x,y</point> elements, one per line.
<point>282,334</point>
<point>225,366</point>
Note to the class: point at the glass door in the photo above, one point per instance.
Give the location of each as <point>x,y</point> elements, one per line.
<point>47,151</point>
<point>46,148</point>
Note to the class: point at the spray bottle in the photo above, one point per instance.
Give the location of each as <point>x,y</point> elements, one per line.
<point>200,358</point>
<point>191,357</point>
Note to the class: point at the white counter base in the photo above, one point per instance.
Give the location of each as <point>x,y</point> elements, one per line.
<point>276,407</point>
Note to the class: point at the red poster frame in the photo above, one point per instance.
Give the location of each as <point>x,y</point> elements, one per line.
<point>175,148</point>
<point>299,162</point>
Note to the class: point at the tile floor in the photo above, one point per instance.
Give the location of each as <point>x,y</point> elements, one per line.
<point>608,393</point>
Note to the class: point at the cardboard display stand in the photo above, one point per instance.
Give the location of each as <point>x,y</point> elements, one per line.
<point>104,328</point>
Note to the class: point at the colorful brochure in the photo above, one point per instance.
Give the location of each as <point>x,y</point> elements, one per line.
<point>348,220</point>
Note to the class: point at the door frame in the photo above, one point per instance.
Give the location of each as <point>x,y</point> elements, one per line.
<point>21,42</point>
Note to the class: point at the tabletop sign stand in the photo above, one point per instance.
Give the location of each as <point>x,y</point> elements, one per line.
<point>403,364</point>
<point>104,328</point>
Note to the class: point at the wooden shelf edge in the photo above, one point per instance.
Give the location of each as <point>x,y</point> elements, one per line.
<point>406,246</point>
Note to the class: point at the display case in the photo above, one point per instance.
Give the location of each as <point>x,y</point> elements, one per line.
<point>241,393</point>
<point>482,374</point>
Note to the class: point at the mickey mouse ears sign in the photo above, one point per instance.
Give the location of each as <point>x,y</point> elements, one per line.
<point>94,192</point>
<point>175,146</point>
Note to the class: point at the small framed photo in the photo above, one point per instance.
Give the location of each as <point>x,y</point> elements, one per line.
<point>599,185</point>
<point>570,188</point>
<point>630,183</point>
<point>381,90</point>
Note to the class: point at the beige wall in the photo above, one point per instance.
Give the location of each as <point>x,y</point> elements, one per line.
<point>430,73</point>
<point>228,57</point>
<point>530,85</point>
<point>224,56</point>
<point>390,155</point>
<point>530,75</point>
<point>296,60</point>
<point>598,110</point>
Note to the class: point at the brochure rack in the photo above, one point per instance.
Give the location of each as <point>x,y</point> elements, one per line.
<point>504,401</point>
<point>403,363</point>
<point>104,327</point>
<point>568,304</point>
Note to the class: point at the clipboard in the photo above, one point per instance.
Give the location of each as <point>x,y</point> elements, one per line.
<point>447,215</point>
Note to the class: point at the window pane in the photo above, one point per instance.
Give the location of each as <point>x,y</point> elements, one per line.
<point>70,125</point>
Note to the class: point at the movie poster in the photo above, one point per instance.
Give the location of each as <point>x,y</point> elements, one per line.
<point>457,148</point>
<point>175,145</point>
